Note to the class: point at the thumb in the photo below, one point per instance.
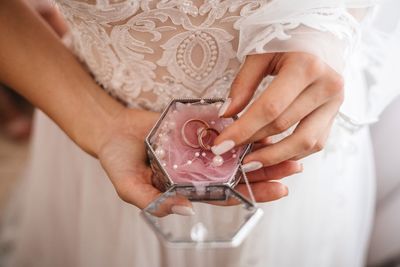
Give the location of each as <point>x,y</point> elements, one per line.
<point>246,82</point>
<point>140,192</point>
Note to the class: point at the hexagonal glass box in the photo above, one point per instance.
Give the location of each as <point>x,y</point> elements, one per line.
<point>184,167</point>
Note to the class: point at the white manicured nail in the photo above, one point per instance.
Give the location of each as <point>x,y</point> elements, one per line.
<point>223,147</point>
<point>252,166</point>
<point>224,107</point>
<point>301,168</point>
<point>182,210</point>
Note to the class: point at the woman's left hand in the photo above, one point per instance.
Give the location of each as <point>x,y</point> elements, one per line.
<point>305,91</point>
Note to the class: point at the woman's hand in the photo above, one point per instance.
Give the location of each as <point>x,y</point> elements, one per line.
<point>124,158</point>
<point>122,154</point>
<point>305,91</point>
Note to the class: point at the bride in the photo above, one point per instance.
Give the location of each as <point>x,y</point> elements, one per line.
<point>123,60</point>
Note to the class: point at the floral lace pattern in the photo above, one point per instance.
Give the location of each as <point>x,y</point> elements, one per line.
<point>146,52</point>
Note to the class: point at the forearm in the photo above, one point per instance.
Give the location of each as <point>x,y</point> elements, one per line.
<point>36,64</point>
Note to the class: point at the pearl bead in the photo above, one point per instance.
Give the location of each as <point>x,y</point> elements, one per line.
<point>160,152</point>
<point>171,125</point>
<point>234,156</point>
<point>204,154</point>
<point>217,161</point>
<point>164,139</point>
<point>197,154</point>
<point>189,162</point>
<point>175,166</point>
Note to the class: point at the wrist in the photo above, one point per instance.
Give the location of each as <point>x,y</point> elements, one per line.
<point>95,121</point>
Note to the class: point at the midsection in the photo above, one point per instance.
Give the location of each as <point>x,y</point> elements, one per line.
<point>147,52</point>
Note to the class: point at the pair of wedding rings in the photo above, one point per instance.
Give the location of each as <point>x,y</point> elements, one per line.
<point>203,132</point>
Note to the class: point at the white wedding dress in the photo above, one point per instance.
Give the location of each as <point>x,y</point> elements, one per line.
<point>66,212</point>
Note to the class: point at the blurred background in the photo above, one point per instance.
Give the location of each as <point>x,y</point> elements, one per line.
<point>15,128</point>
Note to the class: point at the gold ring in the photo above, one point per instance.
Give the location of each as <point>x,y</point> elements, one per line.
<point>184,135</point>
<point>201,135</point>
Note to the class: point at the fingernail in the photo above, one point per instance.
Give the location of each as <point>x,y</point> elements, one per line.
<point>301,168</point>
<point>224,107</point>
<point>182,210</point>
<point>252,166</point>
<point>287,191</point>
<point>225,146</point>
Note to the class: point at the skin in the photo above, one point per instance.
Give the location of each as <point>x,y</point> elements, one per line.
<point>34,62</point>
<point>305,91</point>
<point>15,123</point>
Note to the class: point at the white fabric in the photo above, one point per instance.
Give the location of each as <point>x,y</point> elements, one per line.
<point>374,66</point>
<point>69,214</point>
<point>385,238</point>
<point>146,52</point>
<point>323,28</point>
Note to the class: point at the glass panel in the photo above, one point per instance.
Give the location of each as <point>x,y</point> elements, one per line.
<point>222,222</point>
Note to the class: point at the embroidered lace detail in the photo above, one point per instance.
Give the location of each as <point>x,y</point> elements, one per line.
<point>334,20</point>
<point>146,52</point>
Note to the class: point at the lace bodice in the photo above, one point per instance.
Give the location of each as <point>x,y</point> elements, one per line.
<point>147,52</point>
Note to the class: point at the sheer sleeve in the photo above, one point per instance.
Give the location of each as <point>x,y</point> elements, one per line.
<point>328,29</point>
<point>372,77</point>
<point>356,38</point>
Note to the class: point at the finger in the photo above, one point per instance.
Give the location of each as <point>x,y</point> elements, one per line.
<point>319,145</point>
<point>313,97</point>
<point>290,81</point>
<point>140,192</point>
<point>166,205</point>
<point>245,84</point>
<point>264,191</point>
<point>263,142</point>
<point>275,172</point>
<point>137,190</point>
<point>303,139</point>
